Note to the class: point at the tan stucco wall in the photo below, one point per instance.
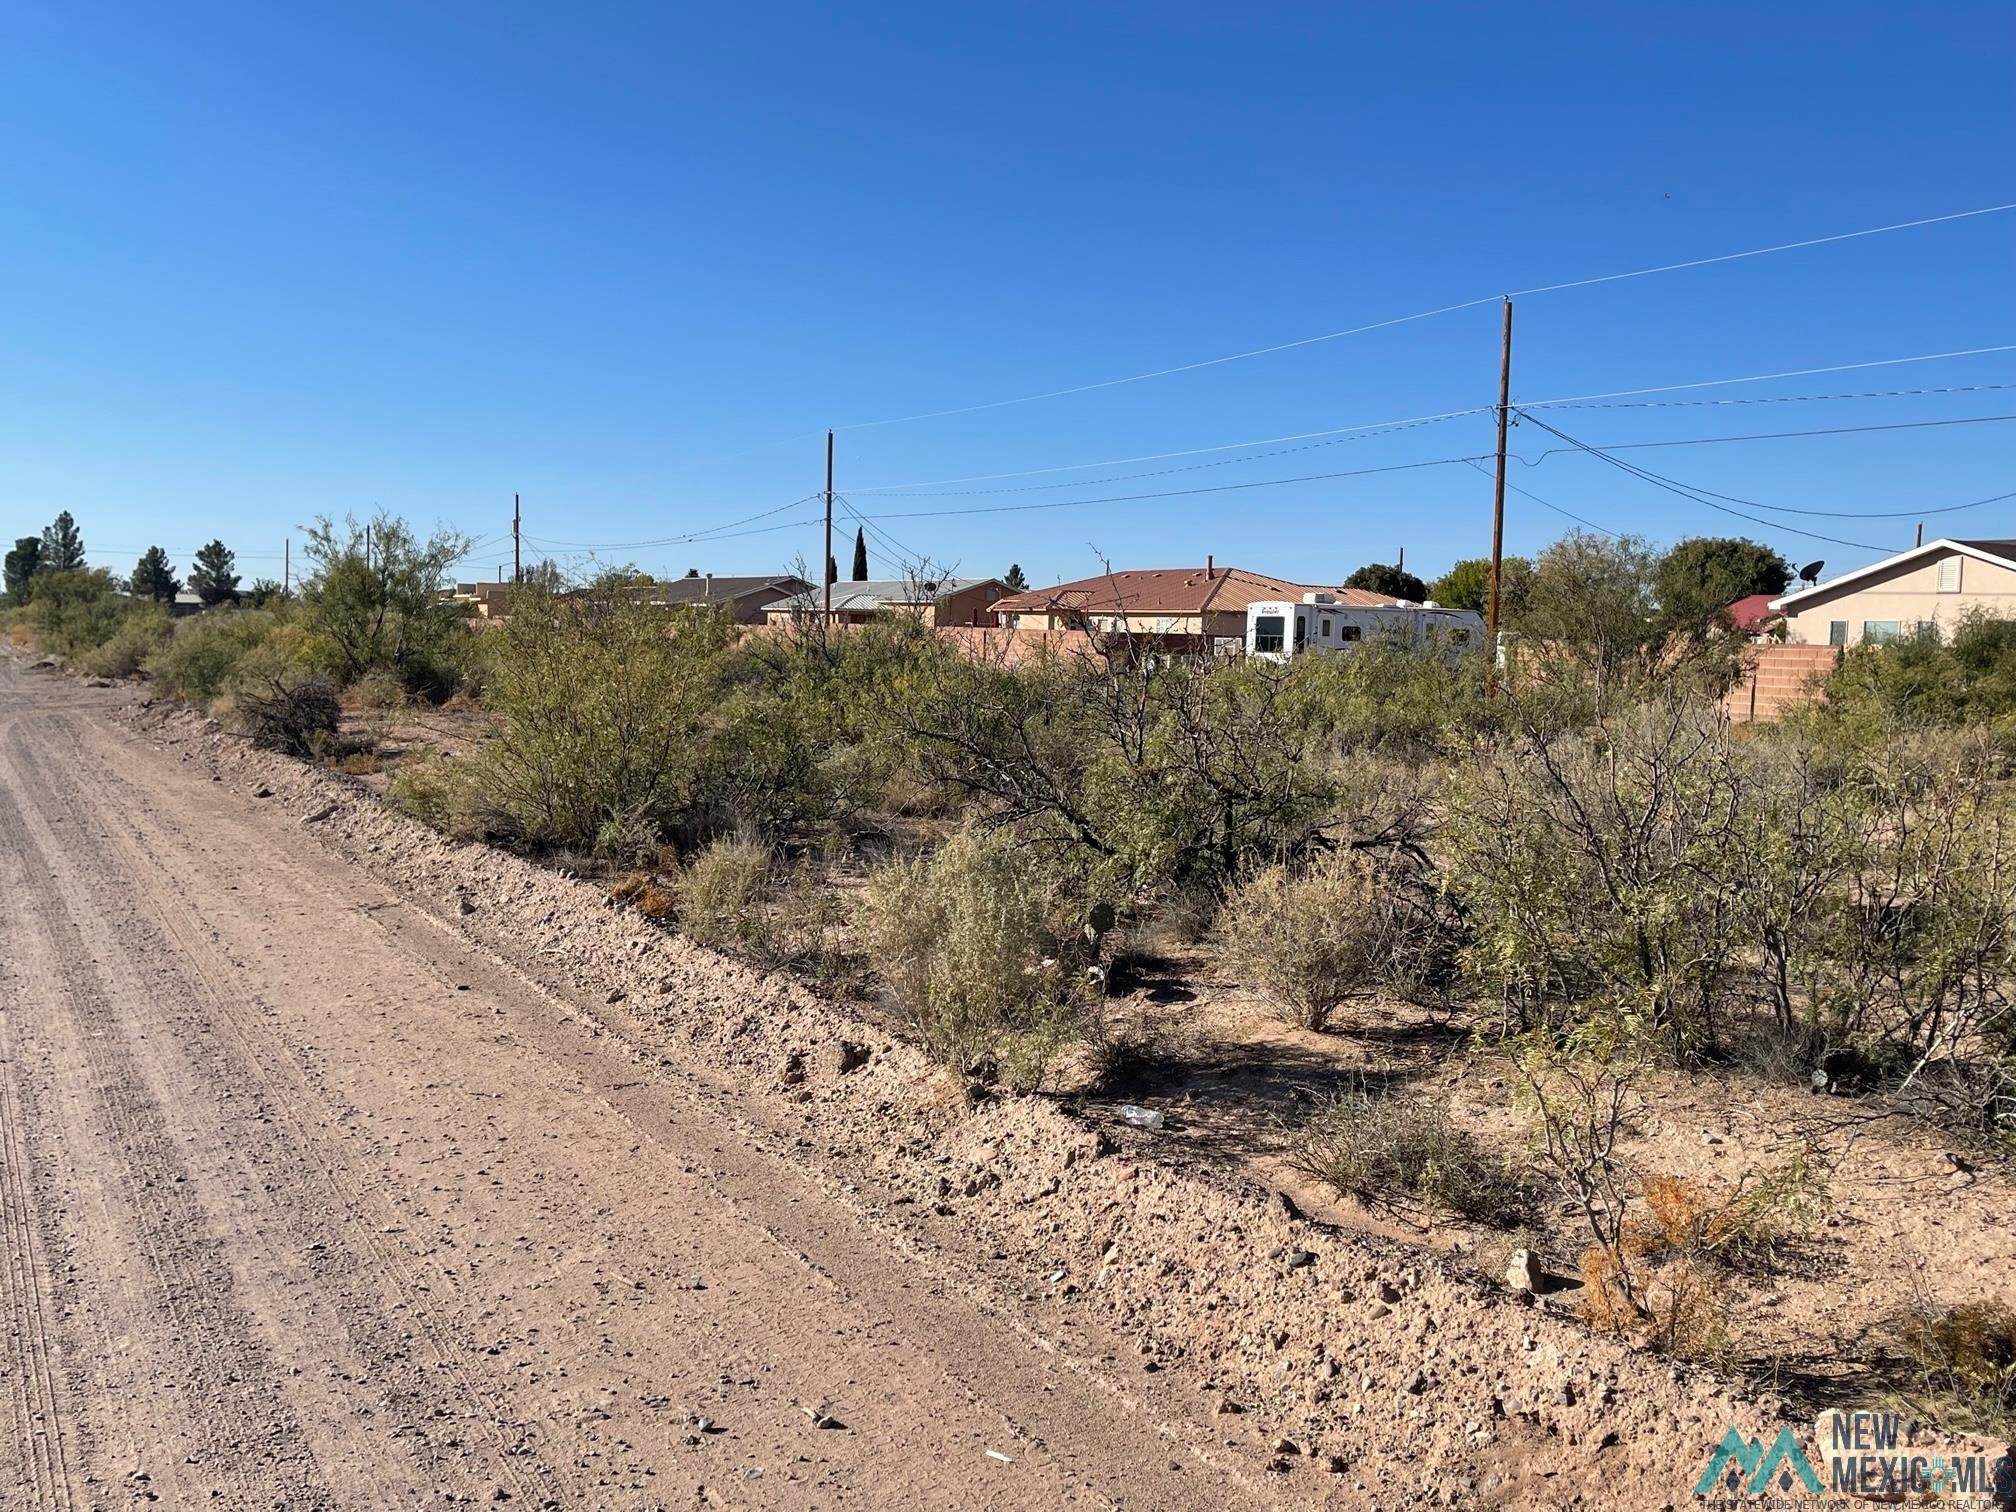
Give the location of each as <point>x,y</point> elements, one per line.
<point>1908,594</point>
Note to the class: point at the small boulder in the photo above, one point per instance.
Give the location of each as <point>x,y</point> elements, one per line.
<point>1523,1274</point>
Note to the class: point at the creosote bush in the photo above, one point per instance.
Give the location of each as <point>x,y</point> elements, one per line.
<point>724,894</point>
<point>1348,925</point>
<point>1963,1360</point>
<point>976,946</point>
<point>1394,1147</point>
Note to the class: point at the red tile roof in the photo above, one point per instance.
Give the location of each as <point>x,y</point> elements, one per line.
<point>1170,590</point>
<point>1752,613</point>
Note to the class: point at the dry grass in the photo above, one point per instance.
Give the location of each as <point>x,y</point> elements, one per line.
<point>1397,1148</point>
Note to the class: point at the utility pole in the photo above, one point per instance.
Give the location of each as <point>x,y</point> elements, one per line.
<point>826,562</point>
<point>286,569</point>
<point>1921,533</point>
<point>517,565</point>
<point>1498,487</point>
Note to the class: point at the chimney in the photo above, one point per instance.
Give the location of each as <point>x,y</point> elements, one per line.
<point>1208,573</point>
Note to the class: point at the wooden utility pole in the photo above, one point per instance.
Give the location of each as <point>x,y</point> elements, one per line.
<point>1498,488</point>
<point>517,563</point>
<point>826,565</point>
<point>1921,533</point>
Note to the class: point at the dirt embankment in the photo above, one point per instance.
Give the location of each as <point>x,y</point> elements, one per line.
<point>1374,1366</point>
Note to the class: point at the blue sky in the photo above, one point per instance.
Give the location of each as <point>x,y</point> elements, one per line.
<point>263,262</point>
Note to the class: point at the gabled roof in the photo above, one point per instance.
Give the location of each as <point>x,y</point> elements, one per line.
<point>1751,613</point>
<point>721,590</point>
<point>1157,590</point>
<point>866,597</point>
<point>2001,553</point>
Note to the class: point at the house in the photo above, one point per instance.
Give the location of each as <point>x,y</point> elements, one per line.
<point>1753,617</point>
<point>1207,603</point>
<point>945,602</point>
<point>747,599</point>
<point>1929,588</point>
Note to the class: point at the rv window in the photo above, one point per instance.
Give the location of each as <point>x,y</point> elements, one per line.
<point>1301,632</point>
<point>1267,633</point>
<point>1349,632</point>
<point>1459,637</point>
<point>1326,629</point>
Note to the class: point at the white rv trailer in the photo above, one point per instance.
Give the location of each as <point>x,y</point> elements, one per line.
<point>1281,629</point>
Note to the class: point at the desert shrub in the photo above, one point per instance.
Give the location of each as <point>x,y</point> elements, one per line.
<point>75,612</point>
<point>1396,1148</point>
<point>200,657</point>
<point>605,710</point>
<point>440,794</point>
<point>1744,1227</point>
<point>287,715</point>
<point>722,896</point>
<point>359,764</point>
<point>379,688</point>
<point>1349,924</point>
<point>370,597</point>
<point>1600,873</point>
<point>976,947</point>
<point>1963,1360</point>
<point>126,650</point>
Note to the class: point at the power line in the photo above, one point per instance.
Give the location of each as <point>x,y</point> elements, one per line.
<point>1812,372</point>
<point>1409,422</point>
<point>678,540</point>
<point>1838,430</point>
<point>1545,504</point>
<point>1448,309</point>
<point>1674,488</point>
<point>1178,493</point>
<point>1910,393</point>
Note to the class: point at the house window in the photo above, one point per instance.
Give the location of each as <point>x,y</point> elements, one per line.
<point>1877,632</point>
<point>1269,633</point>
<point>1837,632</point>
<point>1949,575</point>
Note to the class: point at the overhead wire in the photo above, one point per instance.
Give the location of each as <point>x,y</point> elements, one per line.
<point>1674,488</point>
<point>1447,309</point>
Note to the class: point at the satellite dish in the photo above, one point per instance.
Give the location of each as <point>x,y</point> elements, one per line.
<point>1810,573</point>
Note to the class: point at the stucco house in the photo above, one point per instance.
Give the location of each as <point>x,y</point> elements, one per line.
<point>950,601</point>
<point>1933,586</point>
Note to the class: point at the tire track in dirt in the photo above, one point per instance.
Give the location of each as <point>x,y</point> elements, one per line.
<point>361,1217</point>
<point>246,1433</point>
<point>31,1362</point>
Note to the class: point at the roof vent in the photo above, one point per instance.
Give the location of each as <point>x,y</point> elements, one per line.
<point>1319,598</point>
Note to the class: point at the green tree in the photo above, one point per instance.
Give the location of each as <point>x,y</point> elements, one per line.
<point>62,546</point>
<point>263,592</point>
<point>1394,582</point>
<point>214,578</point>
<point>381,606</point>
<point>154,577</point>
<point>1014,581</point>
<point>1591,608</point>
<point>1703,575</point>
<point>1467,585</point>
<point>860,555</point>
<point>20,569</point>
<point>832,570</point>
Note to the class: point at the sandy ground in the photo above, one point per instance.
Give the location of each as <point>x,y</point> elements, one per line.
<point>310,1203</point>
<point>349,1166</point>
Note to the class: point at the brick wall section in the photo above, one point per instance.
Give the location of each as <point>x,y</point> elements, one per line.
<point>1776,678</point>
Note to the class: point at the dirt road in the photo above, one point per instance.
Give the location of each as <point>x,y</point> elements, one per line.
<point>308,1203</point>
